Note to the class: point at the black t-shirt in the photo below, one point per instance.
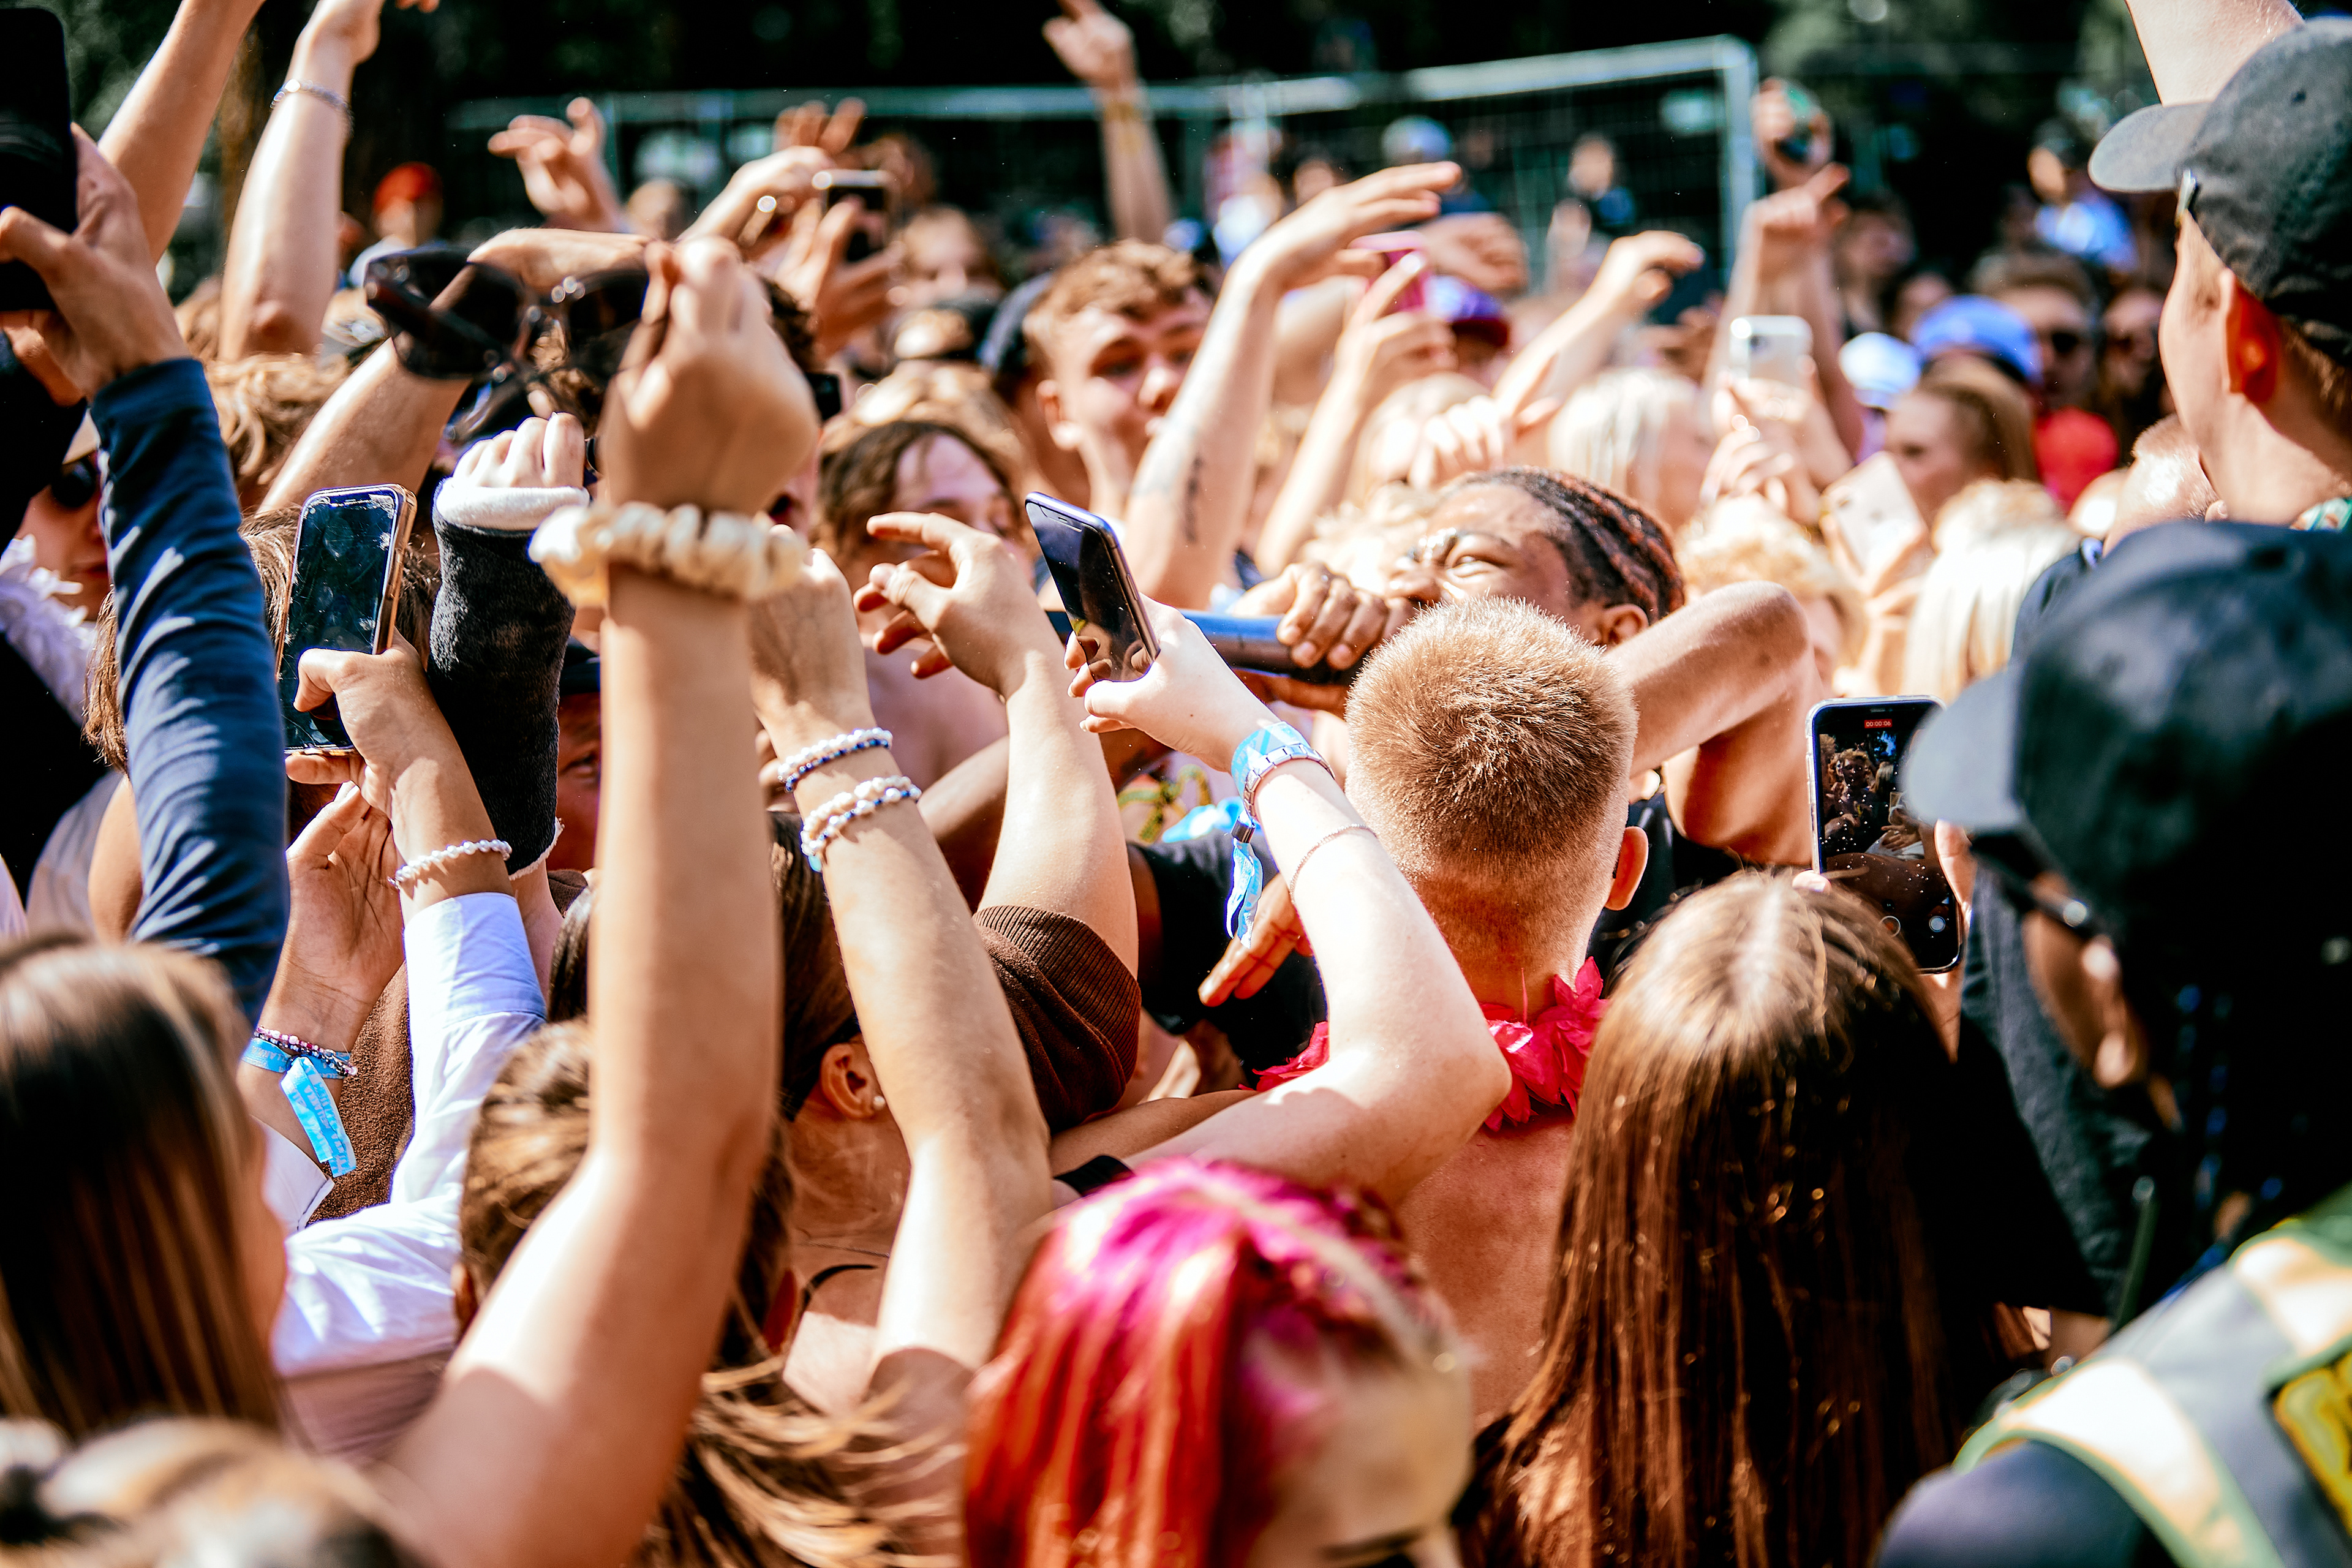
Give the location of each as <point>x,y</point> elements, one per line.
<point>1194,878</point>
<point>1678,868</point>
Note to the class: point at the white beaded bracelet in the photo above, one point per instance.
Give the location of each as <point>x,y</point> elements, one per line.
<point>808,759</point>
<point>829,821</point>
<point>424,866</point>
<point>717,553</point>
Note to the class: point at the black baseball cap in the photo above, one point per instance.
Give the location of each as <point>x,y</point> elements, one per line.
<point>2266,171</point>
<point>2171,740</point>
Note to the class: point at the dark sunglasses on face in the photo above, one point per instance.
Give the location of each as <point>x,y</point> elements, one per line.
<point>76,483</point>
<point>2063,341</point>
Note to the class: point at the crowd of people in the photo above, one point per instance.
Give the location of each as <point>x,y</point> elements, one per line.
<point>760,1051</point>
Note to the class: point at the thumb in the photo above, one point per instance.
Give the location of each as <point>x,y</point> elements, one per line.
<point>26,238</point>
<point>1387,290</point>
<point>331,826</point>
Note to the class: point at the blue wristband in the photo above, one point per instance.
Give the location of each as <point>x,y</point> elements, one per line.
<point>314,1108</point>
<point>267,1057</point>
<point>1262,751</point>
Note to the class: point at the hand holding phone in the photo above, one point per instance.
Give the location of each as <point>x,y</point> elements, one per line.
<point>1395,248</point>
<point>1188,700</point>
<point>877,191</point>
<point>346,577</point>
<point>1866,841</point>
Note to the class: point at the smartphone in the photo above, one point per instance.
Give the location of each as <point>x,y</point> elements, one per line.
<point>875,189</point>
<point>346,573</point>
<point>1098,592</point>
<point>1873,511</point>
<point>1797,147</point>
<point>1393,248</point>
<point>1245,642</point>
<point>1772,348</point>
<point>38,167</point>
<point>1865,839</point>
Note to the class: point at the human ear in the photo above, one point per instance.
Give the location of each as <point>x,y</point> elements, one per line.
<point>2250,344</point>
<point>1622,622</point>
<point>1633,859</point>
<point>1067,433</point>
<point>2122,1054</point>
<point>846,1081</point>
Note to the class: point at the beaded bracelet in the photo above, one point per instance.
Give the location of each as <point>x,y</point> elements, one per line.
<point>829,821</point>
<point>808,759</point>
<point>717,553</point>
<point>424,866</point>
<point>342,105</point>
<point>298,1062</point>
<point>276,1052</point>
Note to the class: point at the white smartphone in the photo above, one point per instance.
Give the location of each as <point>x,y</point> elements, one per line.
<point>1772,348</point>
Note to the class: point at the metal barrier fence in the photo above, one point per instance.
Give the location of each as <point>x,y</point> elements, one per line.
<point>1677,113</point>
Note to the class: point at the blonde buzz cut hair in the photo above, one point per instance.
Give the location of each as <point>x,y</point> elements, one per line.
<point>1489,742</point>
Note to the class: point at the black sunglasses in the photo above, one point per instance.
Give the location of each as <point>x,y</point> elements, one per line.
<point>2063,341</point>
<point>76,483</point>
<point>2015,865</point>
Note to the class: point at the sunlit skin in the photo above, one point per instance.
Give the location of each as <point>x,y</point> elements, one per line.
<point>579,780</point>
<point>1378,1490</point>
<point>1110,382</point>
<point>942,260</point>
<point>1488,541</point>
<point>2060,321</point>
<point>69,544</point>
<point>1677,475</point>
<point>1923,438</point>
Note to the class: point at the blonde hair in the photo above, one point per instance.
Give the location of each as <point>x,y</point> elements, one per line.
<point>126,1155</point>
<point>1613,429</point>
<point>1393,429</point>
<point>1997,419</point>
<point>1997,537</point>
<point>265,403</point>
<point>1739,543</point>
<point>1489,745</point>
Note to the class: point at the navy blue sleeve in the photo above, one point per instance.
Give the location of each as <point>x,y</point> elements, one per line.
<point>199,693</point>
<point>2029,1506</point>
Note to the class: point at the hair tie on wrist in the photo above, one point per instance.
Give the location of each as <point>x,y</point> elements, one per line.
<point>727,554</point>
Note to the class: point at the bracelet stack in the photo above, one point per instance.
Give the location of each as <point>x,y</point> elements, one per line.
<point>829,821</point>
<point>415,871</point>
<point>718,552</point>
<point>303,1070</point>
<point>1260,752</point>
<point>808,759</point>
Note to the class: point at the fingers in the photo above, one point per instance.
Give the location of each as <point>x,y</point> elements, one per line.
<point>928,527</point>
<point>1366,623</point>
<point>1331,620</point>
<point>1828,182</point>
<point>841,130</point>
<point>588,125</point>
<point>323,768</point>
<point>324,672</point>
<point>563,452</point>
<point>1387,289</point>
<point>1309,584</point>
<point>329,827</point>
<point>26,238</point>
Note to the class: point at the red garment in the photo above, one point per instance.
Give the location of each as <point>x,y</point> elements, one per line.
<point>1545,1053</point>
<point>2073,447</point>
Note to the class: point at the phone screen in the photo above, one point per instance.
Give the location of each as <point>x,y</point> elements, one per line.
<point>877,193</point>
<point>1772,348</point>
<point>37,162</point>
<point>344,560</point>
<point>1865,839</point>
<point>1097,590</point>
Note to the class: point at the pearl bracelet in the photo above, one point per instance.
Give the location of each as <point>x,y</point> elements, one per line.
<point>424,866</point>
<point>718,552</point>
<point>327,95</point>
<point>808,759</point>
<point>829,821</point>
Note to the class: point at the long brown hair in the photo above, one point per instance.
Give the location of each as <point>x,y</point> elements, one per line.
<point>122,1146</point>
<point>1745,1360</point>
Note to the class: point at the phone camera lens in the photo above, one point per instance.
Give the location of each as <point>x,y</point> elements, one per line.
<point>1893,926</point>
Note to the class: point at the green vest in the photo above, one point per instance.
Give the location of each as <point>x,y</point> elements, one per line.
<point>2224,1415</point>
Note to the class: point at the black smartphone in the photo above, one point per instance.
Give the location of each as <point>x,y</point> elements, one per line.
<point>875,189</point>
<point>1098,590</point>
<point>346,573</point>
<point>37,164</point>
<point>1865,839</point>
<point>1245,642</point>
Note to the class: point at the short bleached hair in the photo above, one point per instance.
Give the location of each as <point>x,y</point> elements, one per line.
<point>1489,745</point>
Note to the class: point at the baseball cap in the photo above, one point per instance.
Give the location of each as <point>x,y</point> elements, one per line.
<point>1880,368</point>
<point>1005,352</point>
<point>1971,323</point>
<point>2161,739</point>
<point>2265,169</point>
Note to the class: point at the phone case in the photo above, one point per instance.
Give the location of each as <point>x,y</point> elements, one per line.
<point>1098,592</point>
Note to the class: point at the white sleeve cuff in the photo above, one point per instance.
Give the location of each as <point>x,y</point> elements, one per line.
<point>291,1180</point>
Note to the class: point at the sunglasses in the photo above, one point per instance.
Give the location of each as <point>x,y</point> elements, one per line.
<point>76,483</point>
<point>2016,866</point>
<point>2063,341</point>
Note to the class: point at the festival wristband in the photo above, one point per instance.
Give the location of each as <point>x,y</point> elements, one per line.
<point>314,1108</point>
<point>1264,750</point>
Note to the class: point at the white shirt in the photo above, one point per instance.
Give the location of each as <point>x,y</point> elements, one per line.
<point>368,1319</point>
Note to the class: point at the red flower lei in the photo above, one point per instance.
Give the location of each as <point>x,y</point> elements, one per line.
<point>1545,1053</point>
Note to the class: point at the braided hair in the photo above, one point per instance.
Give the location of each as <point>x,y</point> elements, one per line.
<point>1616,553</point>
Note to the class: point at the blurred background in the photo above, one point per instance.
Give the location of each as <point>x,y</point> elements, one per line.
<point>1938,102</point>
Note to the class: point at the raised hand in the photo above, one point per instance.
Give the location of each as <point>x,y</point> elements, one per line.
<point>543,257</point>
<point>1096,46</point>
<point>1312,243</point>
<point>1774,114</point>
<point>1250,960</point>
<point>808,125</point>
<point>387,710</point>
<point>343,33</point>
<point>1381,348</point>
<point>708,408</point>
<point>970,597</point>
<point>1481,248</point>
<point>1188,700</point>
<point>109,314</point>
<point>1789,225</point>
<point>1640,270</point>
<point>1471,438</point>
<point>808,670</point>
<point>563,168</point>
<point>538,454</point>
<point>759,196</point>
<point>843,298</point>
<point>343,930</point>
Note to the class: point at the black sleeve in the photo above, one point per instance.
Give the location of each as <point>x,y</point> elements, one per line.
<point>1192,878</point>
<point>2029,1506</point>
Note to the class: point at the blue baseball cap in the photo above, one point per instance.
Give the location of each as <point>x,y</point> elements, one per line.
<point>1970,323</point>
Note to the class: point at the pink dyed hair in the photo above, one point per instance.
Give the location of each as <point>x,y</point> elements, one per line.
<point>1169,1355</point>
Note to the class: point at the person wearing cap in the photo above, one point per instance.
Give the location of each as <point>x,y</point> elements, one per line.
<point>2131,774</point>
<point>2077,217</point>
<point>2256,336</point>
<point>407,212</point>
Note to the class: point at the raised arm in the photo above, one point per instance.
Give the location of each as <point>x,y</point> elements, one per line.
<point>1720,687</point>
<point>1100,51</point>
<point>935,1023</point>
<point>1412,1069</point>
<point>157,136</point>
<point>199,698</point>
<point>1191,497</point>
<point>560,1416</point>
<point>1637,272</point>
<point>2195,46</point>
<point>280,270</point>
